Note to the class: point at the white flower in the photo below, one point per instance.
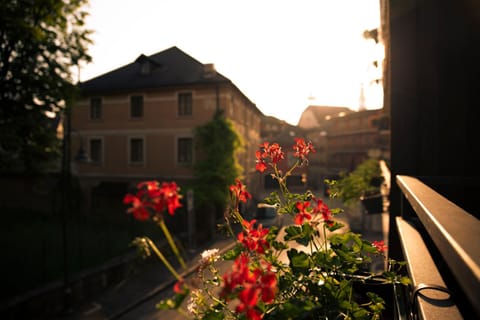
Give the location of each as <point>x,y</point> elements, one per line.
<point>209,256</point>
<point>192,306</point>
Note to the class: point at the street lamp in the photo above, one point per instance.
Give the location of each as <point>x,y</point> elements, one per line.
<point>66,181</point>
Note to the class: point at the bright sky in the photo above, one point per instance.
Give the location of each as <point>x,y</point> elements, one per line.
<point>283,55</point>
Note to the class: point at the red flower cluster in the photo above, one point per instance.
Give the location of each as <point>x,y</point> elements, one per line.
<point>153,196</point>
<point>380,245</point>
<point>240,192</point>
<point>305,212</point>
<point>302,149</point>
<point>249,286</point>
<point>273,152</point>
<point>254,239</point>
<point>268,151</point>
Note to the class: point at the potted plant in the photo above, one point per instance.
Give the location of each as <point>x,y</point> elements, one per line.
<point>362,184</point>
<point>307,270</point>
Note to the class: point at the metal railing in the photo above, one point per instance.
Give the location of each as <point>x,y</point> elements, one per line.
<point>450,234</point>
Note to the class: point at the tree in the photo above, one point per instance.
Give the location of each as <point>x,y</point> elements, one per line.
<point>217,143</point>
<point>41,41</point>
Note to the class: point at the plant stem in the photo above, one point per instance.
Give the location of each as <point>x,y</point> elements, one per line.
<point>172,244</point>
<point>228,225</point>
<point>162,257</point>
<point>238,216</point>
<point>325,241</point>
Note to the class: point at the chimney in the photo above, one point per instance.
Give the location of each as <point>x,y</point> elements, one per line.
<point>209,70</point>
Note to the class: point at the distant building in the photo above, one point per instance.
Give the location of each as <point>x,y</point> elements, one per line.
<point>137,122</point>
<point>354,137</point>
<point>343,138</point>
<point>314,121</point>
<point>313,117</point>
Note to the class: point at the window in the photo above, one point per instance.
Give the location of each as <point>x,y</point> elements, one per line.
<point>136,107</point>
<point>96,150</point>
<point>95,108</point>
<point>145,68</point>
<point>136,150</point>
<point>185,104</point>
<point>185,151</point>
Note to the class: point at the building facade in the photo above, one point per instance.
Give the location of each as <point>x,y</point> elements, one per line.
<point>137,122</point>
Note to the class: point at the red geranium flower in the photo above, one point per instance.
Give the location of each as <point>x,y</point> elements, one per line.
<point>380,245</point>
<point>180,287</point>
<point>325,211</point>
<point>269,285</point>
<point>249,286</point>
<point>150,195</point>
<point>272,152</point>
<point>302,149</point>
<point>169,192</point>
<point>254,239</point>
<point>240,191</point>
<point>138,209</point>
<point>304,212</point>
<point>260,165</point>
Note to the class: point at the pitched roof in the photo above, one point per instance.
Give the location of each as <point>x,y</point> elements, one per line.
<point>320,112</point>
<point>171,67</point>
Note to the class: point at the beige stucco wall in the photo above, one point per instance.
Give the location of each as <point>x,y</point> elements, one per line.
<point>160,128</point>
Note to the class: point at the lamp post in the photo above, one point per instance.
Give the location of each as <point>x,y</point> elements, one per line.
<point>66,182</point>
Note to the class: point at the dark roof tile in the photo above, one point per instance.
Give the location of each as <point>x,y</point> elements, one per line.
<point>171,67</point>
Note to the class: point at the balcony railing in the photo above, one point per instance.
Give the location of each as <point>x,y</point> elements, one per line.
<point>440,242</point>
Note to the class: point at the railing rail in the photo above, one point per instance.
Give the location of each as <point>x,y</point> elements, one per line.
<point>454,232</point>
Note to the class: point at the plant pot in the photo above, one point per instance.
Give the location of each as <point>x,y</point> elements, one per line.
<point>373,204</point>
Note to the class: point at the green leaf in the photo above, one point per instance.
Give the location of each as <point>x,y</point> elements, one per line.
<point>335,226</point>
<point>298,259</point>
<point>213,315</point>
<point>405,281</point>
<point>292,232</point>
<point>356,239</point>
<point>272,233</point>
<point>233,253</point>
<point>302,235</point>
<point>360,314</point>
<point>277,245</point>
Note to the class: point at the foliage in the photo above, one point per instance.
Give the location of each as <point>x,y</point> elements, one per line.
<point>308,270</point>
<point>365,180</point>
<point>217,143</point>
<point>40,43</point>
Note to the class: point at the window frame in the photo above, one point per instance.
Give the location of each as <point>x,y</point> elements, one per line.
<point>96,110</point>
<point>183,109</point>
<point>133,105</point>
<point>101,150</point>
<point>179,149</point>
<point>130,150</point>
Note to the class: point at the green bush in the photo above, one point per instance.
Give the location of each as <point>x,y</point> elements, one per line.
<point>364,181</point>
